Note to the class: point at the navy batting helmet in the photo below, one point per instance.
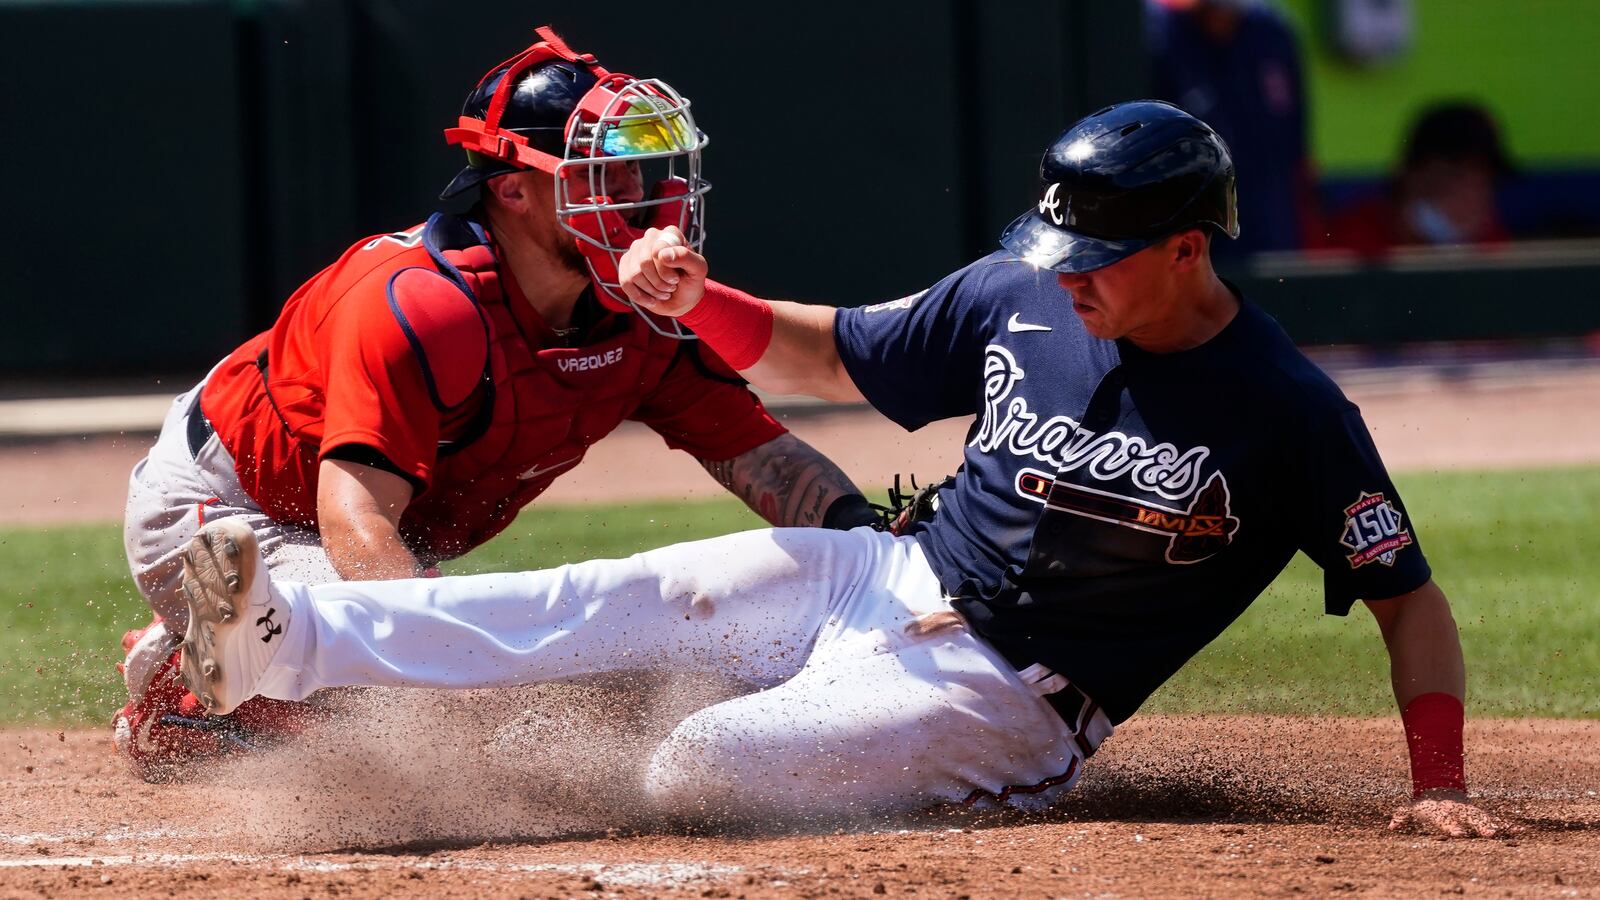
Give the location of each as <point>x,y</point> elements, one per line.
<point>1120,180</point>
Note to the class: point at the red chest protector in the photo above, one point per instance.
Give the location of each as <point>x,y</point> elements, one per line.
<point>533,412</point>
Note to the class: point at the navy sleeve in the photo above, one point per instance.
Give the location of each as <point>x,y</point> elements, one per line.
<point>918,359</point>
<point>1357,528</point>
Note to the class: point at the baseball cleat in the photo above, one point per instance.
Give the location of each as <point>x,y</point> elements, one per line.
<point>235,619</point>
<point>164,733</point>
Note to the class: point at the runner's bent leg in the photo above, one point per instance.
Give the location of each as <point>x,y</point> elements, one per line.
<point>887,716</point>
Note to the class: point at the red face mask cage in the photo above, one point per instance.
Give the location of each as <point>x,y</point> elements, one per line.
<point>623,120</point>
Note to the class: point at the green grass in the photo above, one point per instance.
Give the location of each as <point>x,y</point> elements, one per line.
<point>1515,553</point>
<point>1509,548</point>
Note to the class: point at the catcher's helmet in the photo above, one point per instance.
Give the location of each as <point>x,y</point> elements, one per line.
<point>537,108</point>
<point>557,111</point>
<point>1120,180</point>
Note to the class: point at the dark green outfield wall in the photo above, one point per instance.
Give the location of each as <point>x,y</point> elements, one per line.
<point>125,224</point>
<point>174,169</point>
<point>186,165</point>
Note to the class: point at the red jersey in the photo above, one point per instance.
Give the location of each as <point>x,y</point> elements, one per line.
<point>420,346</point>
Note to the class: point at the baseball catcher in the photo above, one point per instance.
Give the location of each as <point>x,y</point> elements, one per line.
<point>414,395</point>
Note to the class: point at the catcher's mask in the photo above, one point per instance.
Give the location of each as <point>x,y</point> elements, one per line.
<point>596,132</point>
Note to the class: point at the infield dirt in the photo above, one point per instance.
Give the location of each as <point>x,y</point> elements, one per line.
<point>1217,806</point>
<point>467,795</point>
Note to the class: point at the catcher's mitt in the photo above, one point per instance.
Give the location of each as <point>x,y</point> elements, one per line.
<point>904,509</point>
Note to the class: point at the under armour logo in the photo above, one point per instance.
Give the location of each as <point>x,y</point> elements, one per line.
<point>1051,203</point>
<point>273,629</point>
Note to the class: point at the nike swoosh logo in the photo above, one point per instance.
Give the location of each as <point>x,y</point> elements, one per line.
<point>536,471</point>
<point>1016,325</point>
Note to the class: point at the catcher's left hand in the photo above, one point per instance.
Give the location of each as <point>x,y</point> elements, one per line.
<point>1449,813</point>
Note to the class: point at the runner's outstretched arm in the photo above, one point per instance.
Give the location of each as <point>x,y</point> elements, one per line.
<point>779,346</point>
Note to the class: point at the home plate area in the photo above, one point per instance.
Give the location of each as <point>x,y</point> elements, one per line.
<point>1184,805</point>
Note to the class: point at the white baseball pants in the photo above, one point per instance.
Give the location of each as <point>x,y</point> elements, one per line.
<point>870,694</point>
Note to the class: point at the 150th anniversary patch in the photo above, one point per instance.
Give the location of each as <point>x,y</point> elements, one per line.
<point>1372,531</point>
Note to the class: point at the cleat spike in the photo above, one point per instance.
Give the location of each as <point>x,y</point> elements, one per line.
<point>232,579</point>
<point>209,668</point>
<point>225,610</point>
<point>230,547</point>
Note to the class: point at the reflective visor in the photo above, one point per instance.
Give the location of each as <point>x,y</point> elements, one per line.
<point>642,128</point>
<point>1049,246</point>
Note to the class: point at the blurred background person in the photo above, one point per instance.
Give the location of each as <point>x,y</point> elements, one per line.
<point>1236,64</point>
<point>1444,191</point>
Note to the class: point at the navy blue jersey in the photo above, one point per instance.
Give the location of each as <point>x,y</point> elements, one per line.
<point>1112,543</point>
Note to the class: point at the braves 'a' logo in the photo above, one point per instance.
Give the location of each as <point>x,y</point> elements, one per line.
<point>1051,204</point>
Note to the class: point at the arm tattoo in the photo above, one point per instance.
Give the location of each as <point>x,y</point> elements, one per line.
<point>785,481</point>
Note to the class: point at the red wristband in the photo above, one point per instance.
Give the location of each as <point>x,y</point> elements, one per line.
<point>733,323</point>
<point>1433,735</point>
